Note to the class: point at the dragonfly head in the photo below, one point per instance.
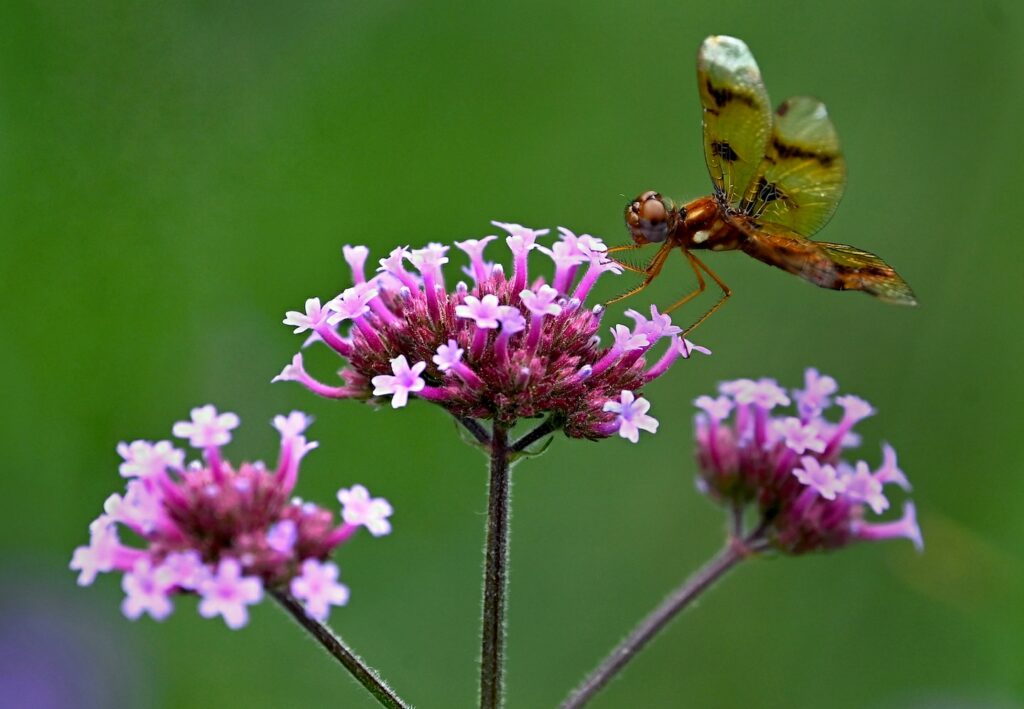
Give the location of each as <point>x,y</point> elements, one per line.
<point>651,218</point>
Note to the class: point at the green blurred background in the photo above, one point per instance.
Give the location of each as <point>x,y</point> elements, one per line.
<point>174,176</point>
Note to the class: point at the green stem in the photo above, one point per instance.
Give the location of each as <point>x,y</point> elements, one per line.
<point>362,672</point>
<point>492,652</point>
<point>657,619</point>
<point>552,424</point>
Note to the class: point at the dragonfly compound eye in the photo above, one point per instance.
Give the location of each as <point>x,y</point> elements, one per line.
<point>649,218</point>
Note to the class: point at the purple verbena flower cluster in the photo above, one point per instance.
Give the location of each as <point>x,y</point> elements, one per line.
<point>219,532</point>
<point>790,466</point>
<point>505,348</point>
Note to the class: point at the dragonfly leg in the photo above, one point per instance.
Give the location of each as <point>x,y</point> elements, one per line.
<point>701,285</point>
<point>726,292</point>
<point>628,266</point>
<point>650,272</point>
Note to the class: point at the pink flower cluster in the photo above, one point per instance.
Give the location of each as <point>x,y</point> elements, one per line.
<point>507,347</point>
<point>790,466</point>
<point>222,533</point>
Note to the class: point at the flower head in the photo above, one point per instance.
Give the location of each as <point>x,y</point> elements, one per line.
<point>506,347</point>
<point>790,467</point>
<point>217,531</point>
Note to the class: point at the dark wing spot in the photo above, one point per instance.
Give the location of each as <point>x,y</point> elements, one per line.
<point>785,150</point>
<point>723,95</point>
<point>768,191</point>
<point>722,149</point>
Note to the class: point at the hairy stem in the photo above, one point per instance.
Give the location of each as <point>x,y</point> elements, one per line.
<point>492,652</point>
<point>552,424</point>
<point>733,553</point>
<point>364,674</point>
<point>475,429</point>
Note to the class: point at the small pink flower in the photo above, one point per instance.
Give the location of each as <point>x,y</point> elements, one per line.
<point>186,568</point>
<point>889,472</point>
<point>309,320</point>
<point>541,302</point>
<point>355,257</point>
<point>147,590</point>
<point>823,478</point>
<point>511,320</point>
<point>632,416</point>
<point>227,593</point>
<point>862,486</point>
<point>318,586</point>
<point>101,553</point>
<point>294,371</point>
<point>281,536</point>
<point>658,326</point>
<point>520,239</point>
<point>448,355</point>
<point>625,340</point>
<point>688,348</point>
<point>764,393</point>
<point>718,408</point>
<point>800,437</point>
<point>564,254</point>
<point>293,425</point>
<point>143,459</point>
<point>358,508</point>
<point>395,260</point>
<point>854,408</point>
<point>484,312</point>
<point>353,303</point>
<point>815,396</point>
<point>207,427</point>
<point>405,380</point>
<point>141,507</point>
<point>430,258</point>
<point>906,527</point>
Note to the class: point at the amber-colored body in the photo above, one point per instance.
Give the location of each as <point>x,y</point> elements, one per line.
<point>700,224</point>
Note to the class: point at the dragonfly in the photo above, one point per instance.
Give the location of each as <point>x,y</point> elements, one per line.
<point>777,180</point>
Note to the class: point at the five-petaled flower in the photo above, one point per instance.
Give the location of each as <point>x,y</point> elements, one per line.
<point>505,348</point>
<point>222,533</point>
<point>790,467</point>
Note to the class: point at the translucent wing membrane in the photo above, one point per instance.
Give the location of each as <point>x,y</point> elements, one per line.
<point>802,177</point>
<point>737,114</point>
<point>835,266</point>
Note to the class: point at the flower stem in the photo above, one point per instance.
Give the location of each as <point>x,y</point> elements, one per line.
<point>492,652</point>
<point>475,429</point>
<point>656,620</point>
<point>364,674</point>
<point>552,424</point>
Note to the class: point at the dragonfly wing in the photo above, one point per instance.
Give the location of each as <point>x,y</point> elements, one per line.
<point>802,177</point>
<point>737,114</point>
